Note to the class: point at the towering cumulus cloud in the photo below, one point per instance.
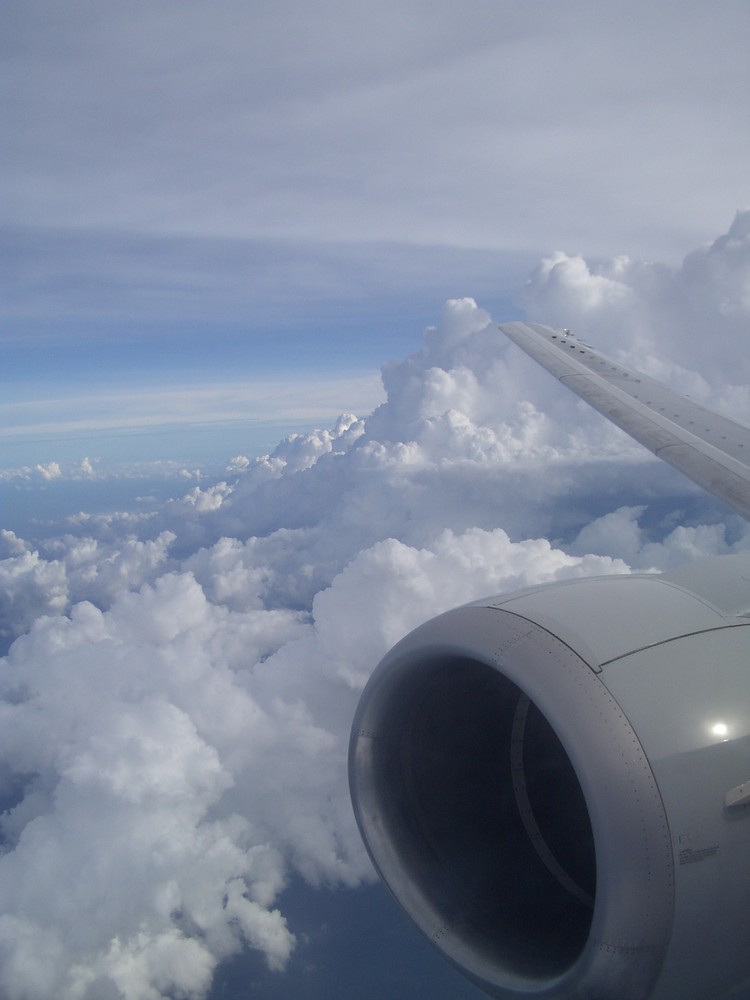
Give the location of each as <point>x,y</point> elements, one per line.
<point>177,698</point>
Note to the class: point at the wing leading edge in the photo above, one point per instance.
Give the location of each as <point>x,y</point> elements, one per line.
<point>710,449</point>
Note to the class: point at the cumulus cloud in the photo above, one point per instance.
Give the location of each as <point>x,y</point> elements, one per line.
<point>621,534</point>
<point>88,469</point>
<point>51,470</point>
<point>29,587</point>
<point>174,710</point>
<point>687,324</point>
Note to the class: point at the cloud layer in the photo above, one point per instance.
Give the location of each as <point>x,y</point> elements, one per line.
<point>328,122</point>
<point>176,703</point>
<point>175,168</point>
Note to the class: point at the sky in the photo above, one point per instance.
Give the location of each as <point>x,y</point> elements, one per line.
<point>257,422</point>
<point>209,201</point>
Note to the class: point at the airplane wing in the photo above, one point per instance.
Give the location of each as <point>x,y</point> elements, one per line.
<point>710,449</point>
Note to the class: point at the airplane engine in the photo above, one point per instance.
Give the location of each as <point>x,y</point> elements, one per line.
<point>555,785</point>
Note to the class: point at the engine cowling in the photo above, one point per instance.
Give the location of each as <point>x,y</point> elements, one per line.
<point>555,785</point>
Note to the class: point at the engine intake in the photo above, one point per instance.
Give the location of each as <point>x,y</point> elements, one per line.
<point>514,811</point>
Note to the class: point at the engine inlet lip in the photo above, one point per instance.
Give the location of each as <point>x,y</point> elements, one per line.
<point>634,902</point>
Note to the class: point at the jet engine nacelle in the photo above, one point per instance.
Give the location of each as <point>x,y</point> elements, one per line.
<point>555,785</point>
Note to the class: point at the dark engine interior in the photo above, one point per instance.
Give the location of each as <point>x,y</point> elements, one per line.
<point>486,812</point>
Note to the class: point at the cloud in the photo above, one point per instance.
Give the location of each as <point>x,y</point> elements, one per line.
<point>29,587</point>
<point>229,403</point>
<point>257,161</point>
<point>175,708</point>
<point>118,816</point>
<point>95,470</point>
<point>686,324</point>
<point>621,534</point>
<point>49,471</point>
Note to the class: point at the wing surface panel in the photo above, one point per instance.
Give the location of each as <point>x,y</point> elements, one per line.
<point>709,448</point>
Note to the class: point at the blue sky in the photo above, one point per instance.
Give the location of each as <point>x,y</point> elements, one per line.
<point>220,223</point>
<point>194,194</point>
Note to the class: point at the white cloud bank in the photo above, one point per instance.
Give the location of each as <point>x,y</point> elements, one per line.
<point>175,709</point>
<point>693,317</point>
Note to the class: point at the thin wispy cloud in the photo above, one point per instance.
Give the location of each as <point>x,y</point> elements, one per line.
<point>243,166</point>
<point>271,401</point>
<point>413,123</point>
